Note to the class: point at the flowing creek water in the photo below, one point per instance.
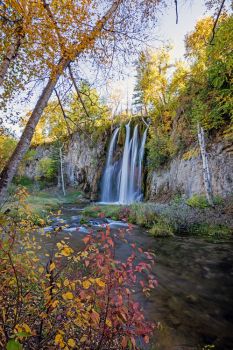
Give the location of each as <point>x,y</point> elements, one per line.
<point>193,302</point>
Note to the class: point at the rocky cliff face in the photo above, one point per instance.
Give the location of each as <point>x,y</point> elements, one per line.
<point>186,176</point>
<point>83,162</point>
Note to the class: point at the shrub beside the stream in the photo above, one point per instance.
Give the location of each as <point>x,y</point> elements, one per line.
<point>161,229</point>
<point>67,299</point>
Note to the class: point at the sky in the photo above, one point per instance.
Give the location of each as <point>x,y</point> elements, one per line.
<point>189,13</point>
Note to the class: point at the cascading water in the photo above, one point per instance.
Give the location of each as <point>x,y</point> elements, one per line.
<point>124,174</point>
<point>133,167</point>
<point>107,195</point>
<point>140,163</point>
<point>122,179</point>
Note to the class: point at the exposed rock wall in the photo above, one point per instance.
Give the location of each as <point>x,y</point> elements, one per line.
<point>83,161</point>
<point>186,176</point>
<point>29,167</point>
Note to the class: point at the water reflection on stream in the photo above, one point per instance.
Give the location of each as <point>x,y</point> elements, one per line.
<point>193,302</point>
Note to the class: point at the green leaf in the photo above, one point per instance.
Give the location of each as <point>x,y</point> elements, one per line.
<point>13,345</point>
<point>23,334</point>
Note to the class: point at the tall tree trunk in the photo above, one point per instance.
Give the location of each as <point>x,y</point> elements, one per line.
<point>62,174</point>
<point>11,53</point>
<point>206,170</point>
<point>11,167</point>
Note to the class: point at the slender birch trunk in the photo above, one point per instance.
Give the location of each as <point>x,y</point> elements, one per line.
<point>206,170</point>
<point>11,54</point>
<point>62,174</point>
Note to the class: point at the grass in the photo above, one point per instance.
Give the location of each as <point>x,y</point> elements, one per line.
<point>210,231</point>
<point>161,229</point>
<point>109,211</point>
<point>200,201</point>
<point>42,202</point>
<point>51,199</point>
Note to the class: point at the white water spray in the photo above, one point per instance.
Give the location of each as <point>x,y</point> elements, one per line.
<point>122,180</point>
<point>109,169</point>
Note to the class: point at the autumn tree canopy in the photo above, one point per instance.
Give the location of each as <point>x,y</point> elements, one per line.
<point>55,35</point>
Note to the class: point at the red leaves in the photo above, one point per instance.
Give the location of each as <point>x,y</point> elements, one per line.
<point>86,239</point>
<point>95,317</point>
<point>124,342</point>
<point>110,242</point>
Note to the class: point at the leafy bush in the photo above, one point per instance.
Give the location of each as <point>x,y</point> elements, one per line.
<point>30,155</point>
<point>24,181</point>
<point>48,168</point>
<point>142,214</point>
<point>192,153</point>
<point>159,153</point>
<point>198,201</point>
<point>161,229</point>
<point>67,299</point>
<point>210,231</point>
<point>109,211</point>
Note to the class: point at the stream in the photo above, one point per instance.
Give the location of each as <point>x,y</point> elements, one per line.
<point>193,303</point>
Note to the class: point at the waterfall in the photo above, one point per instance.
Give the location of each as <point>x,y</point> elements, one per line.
<point>140,163</point>
<point>122,179</point>
<point>109,170</point>
<point>133,167</point>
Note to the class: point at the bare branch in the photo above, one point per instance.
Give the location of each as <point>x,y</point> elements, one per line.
<point>177,16</point>
<point>216,21</point>
<point>63,113</point>
<point>78,92</point>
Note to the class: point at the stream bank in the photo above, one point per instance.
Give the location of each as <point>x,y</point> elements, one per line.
<point>178,217</point>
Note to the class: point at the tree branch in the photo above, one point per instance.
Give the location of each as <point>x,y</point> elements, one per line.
<point>63,113</point>
<point>216,21</point>
<point>78,92</point>
<point>176,6</point>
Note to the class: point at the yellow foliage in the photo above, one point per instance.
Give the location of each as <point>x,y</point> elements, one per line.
<point>100,282</point>
<point>41,269</point>
<point>192,153</point>
<point>67,296</point>
<point>83,339</point>
<point>86,284</point>
<point>59,340</point>
<point>52,266</point>
<point>66,282</point>
<point>71,343</point>
<point>108,323</point>
<point>55,303</point>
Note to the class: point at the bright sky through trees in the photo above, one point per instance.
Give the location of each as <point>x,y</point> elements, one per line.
<point>165,31</point>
